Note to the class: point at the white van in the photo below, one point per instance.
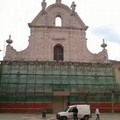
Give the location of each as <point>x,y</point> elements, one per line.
<point>84,113</point>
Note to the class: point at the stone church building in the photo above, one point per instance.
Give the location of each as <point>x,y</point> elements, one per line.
<point>57,69</point>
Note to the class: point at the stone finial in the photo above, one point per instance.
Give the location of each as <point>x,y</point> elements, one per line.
<point>9,41</point>
<point>58,1</point>
<point>43,4</point>
<point>73,6</point>
<point>104,45</point>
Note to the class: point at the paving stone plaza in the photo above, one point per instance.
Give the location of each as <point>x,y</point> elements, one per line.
<point>5,116</point>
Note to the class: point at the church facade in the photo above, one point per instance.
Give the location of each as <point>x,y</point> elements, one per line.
<point>57,69</point>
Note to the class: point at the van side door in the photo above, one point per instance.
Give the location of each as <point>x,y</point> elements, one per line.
<point>70,113</point>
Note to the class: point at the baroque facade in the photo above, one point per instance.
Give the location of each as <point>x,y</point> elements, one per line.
<point>46,36</point>
<point>57,69</point>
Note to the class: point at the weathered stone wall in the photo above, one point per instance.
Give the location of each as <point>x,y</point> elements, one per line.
<point>45,35</point>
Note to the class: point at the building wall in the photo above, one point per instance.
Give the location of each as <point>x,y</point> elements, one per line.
<point>25,85</point>
<point>47,39</point>
<point>117,71</point>
<point>44,35</point>
<point>30,80</point>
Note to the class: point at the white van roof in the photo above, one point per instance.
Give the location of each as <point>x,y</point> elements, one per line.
<point>79,105</point>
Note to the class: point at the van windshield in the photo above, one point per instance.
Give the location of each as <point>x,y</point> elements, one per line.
<point>66,109</point>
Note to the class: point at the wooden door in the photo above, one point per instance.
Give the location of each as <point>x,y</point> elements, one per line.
<point>58,104</point>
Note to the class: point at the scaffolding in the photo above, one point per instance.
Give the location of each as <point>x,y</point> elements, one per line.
<point>35,82</point>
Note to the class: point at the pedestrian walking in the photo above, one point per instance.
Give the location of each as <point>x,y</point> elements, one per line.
<point>97,112</point>
<point>44,114</point>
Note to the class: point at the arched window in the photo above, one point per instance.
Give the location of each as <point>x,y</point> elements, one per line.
<point>58,52</point>
<point>58,21</point>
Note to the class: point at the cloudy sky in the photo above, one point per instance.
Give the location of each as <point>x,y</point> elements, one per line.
<point>102,17</point>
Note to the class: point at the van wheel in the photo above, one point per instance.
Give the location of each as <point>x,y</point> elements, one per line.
<point>64,118</point>
<point>86,118</point>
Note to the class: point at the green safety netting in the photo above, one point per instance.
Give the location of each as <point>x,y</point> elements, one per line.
<point>35,82</point>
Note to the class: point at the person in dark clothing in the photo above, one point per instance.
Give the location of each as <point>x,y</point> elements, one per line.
<point>44,114</point>
<point>75,112</point>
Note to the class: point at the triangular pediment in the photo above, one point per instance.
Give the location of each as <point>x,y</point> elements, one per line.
<point>47,17</point>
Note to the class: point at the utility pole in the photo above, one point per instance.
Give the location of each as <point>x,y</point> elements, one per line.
<point>112,100</point>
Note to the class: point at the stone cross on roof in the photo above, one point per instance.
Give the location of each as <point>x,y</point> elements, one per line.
<point>58,1</point>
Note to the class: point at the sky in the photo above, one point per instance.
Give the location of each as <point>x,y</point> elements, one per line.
<point>102,17</point>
